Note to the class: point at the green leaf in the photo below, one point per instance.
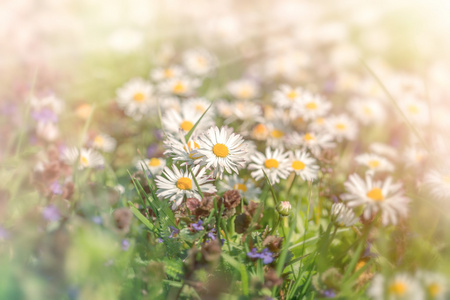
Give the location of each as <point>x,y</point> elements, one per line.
<point>141,218</point>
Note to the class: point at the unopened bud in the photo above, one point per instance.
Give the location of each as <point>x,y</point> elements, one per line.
<point>284,208</point>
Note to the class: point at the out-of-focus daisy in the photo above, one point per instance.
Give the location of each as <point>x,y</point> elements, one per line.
<point>47,130</point>
<point>224,108</point>
<point>83,111</point>
<point>180,150</point>
<point>303,165</point>
<point>136,98</point>
<point>414,156</point>
<point>400,287</point>
<point>384,150</point>
<point>49,104</point>
<point>311,107</point>
<point>260,132</point>
<point>104,142</point>
<point>367,111</point>
<point>222,150</point>
<point>415,110</point>
<point>435,285</point>
<point>343,216</point>
<point>199,62</point>
<point>243,89</point>
<point>160,74</point>
<point>439,183</point>
<point>374,162</point>
<point>125,40</point>
<point>180,86</point>
<point>169,102</point>
<point>246,188</point>
<point>318,125</point>
<point>342,127</point>
<point>286,96</point>
<point>376,196</point>
<point>175,185</point>
<point>155,165</point>
<point>185,120</point>
<point>199,104</point>
<point>315,142</point>
<point>275,163</point>
<point>277,134</point>
<point>87,158</point>
<point>246,110</point>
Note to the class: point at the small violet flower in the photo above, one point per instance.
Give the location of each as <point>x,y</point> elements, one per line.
<point>56,188</point>
<point>51,213</point>
<point>265,255</point>
<point>198,226</point>
<point>125,244</point>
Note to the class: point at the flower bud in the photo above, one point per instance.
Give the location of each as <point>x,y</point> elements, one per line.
<point>284,208</point>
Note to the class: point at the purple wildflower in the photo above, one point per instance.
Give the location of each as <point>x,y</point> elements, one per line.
<point>266,256</point>
<point>212,234</point>
<point>198,226</point>
<point>160,240</point>
<point>45,115</point>
<point>97,220</point>
<point>4,234</point>
<point>51,213</point>
<point>254,253</point>
<point>173,231</point>
<point>125,244</point>
<point>56,188</point>
<point>151,150</point>
<point>329,293</point>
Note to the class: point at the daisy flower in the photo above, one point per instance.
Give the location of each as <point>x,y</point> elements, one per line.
<point>179,86</point>
<point>185,120</point>
<point>342,127</point>
<point>318,125</point>
<point>246,188</point>
<point>180,151</point>
<point>243,89</point>
<point>384,150</point>
<point>314,142</point>
<point>169,102</point>
<point>367,111</point>
<point>199,62</point>
<point>155,165</point>
<point>400,287</point>
<point>160,74</point>
<point>311,107</point>
<point>415,110</point>
<point>87,158</point>
<point>222,150</point>
<point>104,142</point>
<point>376,196</point>
<point>224,108</point>
<point>343,216</point>
<point>47,131</point>
<point>303,165</point>
<point>374,162</point>
<point>438,183</point>
<point>260,132</point>
<point>435,284</point>
<point>277,134</point>
<point>47,105</point>
<point>286,96</point>
<point>199,104</point>
<point>414,156</point>
<point>176,185</point>
<point>136,98</point>
<point>246,110</point>
<point>275,163</point>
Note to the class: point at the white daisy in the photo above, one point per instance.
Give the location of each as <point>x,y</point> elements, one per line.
<point>246,110</point>
<point>414,156</point>
<point>87,157</point>
<point>180,150</point>
<point>438,182</point>
<point>199,62</point>
<point>374,162</point>
<point>179,86</point>
<point>224,108</point>
<point>314,142</point>
<point>376,196</point>
<point>274,163</point>
<point>48,131</point>
<point>136,98</point>
<point>246,188</point>
<point>169,102</point>
<point>51,102</point>
<point>400,287</point>
<point>435,285</point>
<point>104,142</point>
<point>286,96</point>
<point>318,125</point>
<point>160,74</point>
<point>260,132</point>
<point>342,127</point>
<point>175,185</point>
<point>243,89</point>
<point>155,165</point>
<point>384,150</point>
<point>199,104</point>
<point>311,107</point>
<point>343,216</point>
<point>367,111</point>
<point>303,165</point>
<point>185,120</point>
<point>416,111</point>
<point>277,134</point>
<point>222,150</point>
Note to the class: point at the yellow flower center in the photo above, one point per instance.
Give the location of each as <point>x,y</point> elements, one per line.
<point>311,105</point>
<point>168,73</point>
<point>374,164</point>
<point>341,126</point>
<point>398,288</point>
<point>375,194</point>
<point>260,129</point>
<point>83,111</point>
<point>154,162</point>
<point>446,179</point>
<point>367,111</point>
<point>179,88</point>
<point>186,125</point>
<point>298,165</point>
<point>271,163</point>
<point>309,137</point>
<point>220,150</point>
<point>413,109</point>
<point>139,97</point>
<point>245,92</point>
<point>320,121</point>
<point>201,61</point>
<point>200,108</point>
<point>434,289</point>
<point>278,134</point>
<point>188,148</point>
<point>292,95</point>
<point>240,186</point>
<point>84,161</point>
<point>184,183</point>
<point>99,140</point>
